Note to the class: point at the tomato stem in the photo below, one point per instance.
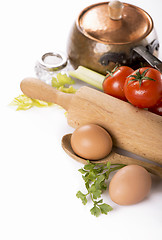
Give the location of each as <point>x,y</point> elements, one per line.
<point>110,73</point>
<point>140,77</point>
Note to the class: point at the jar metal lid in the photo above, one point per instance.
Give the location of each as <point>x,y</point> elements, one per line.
<point>53,61</point>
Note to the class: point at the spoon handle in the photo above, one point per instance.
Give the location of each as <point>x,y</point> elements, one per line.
<point>37,89</point>
<point>115,158</point>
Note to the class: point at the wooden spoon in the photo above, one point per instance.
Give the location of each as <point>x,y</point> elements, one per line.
<point>113,158</point>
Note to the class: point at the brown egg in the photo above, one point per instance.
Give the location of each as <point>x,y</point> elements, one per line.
<point>130,185</point>
<point>91,142</point>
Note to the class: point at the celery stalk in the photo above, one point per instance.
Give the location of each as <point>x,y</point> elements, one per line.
<point>89,76</point>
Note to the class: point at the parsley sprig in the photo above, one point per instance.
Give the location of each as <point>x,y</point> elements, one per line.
<point>95,177</point>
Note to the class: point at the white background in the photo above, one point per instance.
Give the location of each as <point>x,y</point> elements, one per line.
<point>38,181</point>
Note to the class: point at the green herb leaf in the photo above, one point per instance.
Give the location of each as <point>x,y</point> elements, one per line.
<point>105,208</point>
<point>82,171</point>
<point>96,192</point>
<point>95,211</point>
<point>89,166</point>
<point>82,197</point>
<point>100,201</point>
<point>117,167</point>
<point>95,177</point>
<point>108,165</point>
<point>99,180</point>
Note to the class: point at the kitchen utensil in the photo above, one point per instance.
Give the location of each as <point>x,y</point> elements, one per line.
<point>151,59</point>
<point>132,129</point>
<point>105,33</point>
<point>113,158</point>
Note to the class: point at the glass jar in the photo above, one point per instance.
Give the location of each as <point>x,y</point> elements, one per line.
<point>50,64</point>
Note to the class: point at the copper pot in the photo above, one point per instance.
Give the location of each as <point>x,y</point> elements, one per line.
<point>105,34</point>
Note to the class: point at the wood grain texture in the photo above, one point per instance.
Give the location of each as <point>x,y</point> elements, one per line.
<point>113,158</point>
<point>132,129</point>
<point>37,89</point>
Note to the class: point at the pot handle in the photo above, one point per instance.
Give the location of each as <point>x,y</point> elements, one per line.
<point>150,58</point>
<point>115,9</point>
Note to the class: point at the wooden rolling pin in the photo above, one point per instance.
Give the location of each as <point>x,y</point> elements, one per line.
<point>132,129</point>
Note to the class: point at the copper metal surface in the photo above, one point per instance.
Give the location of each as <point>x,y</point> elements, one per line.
<point>99,43</point>
<point>95,23</point>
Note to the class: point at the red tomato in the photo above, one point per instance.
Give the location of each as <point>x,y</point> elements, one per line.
<point>114,82</point>
<point>157,109</point>
<point>143,88</point>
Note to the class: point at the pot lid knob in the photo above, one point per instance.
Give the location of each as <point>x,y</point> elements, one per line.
<point>115,9</point>
<point>114,22</point>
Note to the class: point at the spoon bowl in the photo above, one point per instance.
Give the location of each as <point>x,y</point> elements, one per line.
<point>113,158</point>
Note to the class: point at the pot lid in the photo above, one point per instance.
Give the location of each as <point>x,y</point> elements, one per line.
<point>114,22</point>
